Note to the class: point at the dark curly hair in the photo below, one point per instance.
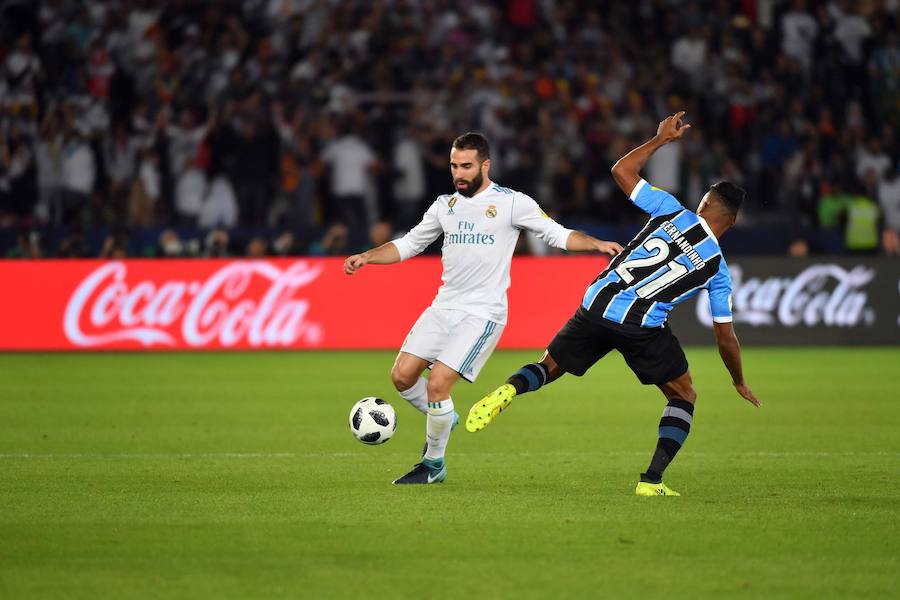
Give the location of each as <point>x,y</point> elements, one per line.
<point>731,195</point>
<point>474,141</point>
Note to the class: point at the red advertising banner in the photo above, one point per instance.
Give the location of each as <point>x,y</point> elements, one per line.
<point>258,304</point>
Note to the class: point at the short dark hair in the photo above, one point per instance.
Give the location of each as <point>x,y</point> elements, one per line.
<point>473,141</point>
<point>731,195</point>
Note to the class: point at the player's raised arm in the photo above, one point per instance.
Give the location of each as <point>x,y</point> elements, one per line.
<point>627,170</point>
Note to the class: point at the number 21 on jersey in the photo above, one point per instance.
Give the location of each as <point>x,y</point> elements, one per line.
<point>659,252</point>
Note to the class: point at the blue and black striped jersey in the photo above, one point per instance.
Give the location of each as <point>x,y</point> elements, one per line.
<point>673,257</point>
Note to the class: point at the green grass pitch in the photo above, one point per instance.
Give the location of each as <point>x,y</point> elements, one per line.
<point>235,476</point>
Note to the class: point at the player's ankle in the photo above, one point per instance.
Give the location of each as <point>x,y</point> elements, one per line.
<point>434,464</point>
<point>649,477</point>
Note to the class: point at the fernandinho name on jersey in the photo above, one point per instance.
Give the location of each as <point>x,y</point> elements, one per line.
<point>683,245</point>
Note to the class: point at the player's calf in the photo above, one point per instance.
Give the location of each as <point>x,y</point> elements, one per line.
<point>529,378</point>
<point>674,427</point>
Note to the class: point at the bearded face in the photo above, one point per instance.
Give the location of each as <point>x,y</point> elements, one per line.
<point>467,171</point>
<point>468,187</point>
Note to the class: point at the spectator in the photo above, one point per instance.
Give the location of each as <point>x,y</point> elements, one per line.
<point>664,168</point>
<point>351,162</point>
<point>798,34</point>
<point>18,186</point>
<point>257,248</point>
<point>28,245</point>
<point>145,192</point>
<point>409,183</point>
<point>296,207</point>
<point>190,191</point>
<point>850,30</point>
<point>115,246</point>
<point>861,233</point>
<point>255,168</point>
<point>833,205</point>
<point>216,244</point>
<point>73,245</point>
<point>220,209</point>
<point>170,244</point>
<point>884,78</point>
<point>22,75</point>
<point>889,201</point>
<point>689,54</point>
<point>120,158</point>
<point>184,140</point>
<point>48,159</point>
<point>79,173</point>
<point>286,244</point>
<point>871,158</point>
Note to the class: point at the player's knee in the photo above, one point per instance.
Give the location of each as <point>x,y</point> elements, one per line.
<point>438,388</point>
<point>402,381</point>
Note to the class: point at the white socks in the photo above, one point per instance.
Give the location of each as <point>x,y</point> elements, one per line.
<point>437,428</point>
<point>439,419</point>
<point>417,395</point>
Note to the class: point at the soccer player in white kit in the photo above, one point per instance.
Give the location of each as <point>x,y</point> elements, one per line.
<point>455,336</point>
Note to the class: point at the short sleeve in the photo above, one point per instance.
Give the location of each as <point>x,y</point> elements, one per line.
<point>653,200</point>
<point>720,295</point>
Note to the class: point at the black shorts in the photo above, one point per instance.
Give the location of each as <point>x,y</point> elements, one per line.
<point>654,355</point>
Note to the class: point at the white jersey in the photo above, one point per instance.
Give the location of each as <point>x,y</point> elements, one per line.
<point>480,235</point>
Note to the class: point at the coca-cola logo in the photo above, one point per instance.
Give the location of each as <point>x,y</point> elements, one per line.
<point>106,308</point>
<point>824,294</point>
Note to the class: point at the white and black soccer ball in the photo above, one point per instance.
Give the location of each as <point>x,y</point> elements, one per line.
<point>373,421</point>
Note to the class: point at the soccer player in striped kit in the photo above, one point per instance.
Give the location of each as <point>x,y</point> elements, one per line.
<point>673,257</point>
<point>480,223</point>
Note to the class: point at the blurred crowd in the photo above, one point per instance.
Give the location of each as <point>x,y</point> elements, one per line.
<point>265,127</point>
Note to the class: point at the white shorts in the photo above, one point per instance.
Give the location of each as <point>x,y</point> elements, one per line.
<point>461,341</point>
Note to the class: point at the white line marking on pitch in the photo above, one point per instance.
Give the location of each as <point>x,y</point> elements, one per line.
<point>28,455</point>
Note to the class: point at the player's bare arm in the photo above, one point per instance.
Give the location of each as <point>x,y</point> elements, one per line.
<point>385,254</point>
<point>582,242</point>
<point>730,351</point>
<point>627,170</point>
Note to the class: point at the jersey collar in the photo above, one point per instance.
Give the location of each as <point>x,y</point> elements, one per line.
<point>490,185</point>
<point>707,229</point>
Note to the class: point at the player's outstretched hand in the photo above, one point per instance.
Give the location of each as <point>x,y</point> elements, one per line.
<point>671,128</point>
<point>747,393</point>
<point>611,248</point>
<point>354,263</point>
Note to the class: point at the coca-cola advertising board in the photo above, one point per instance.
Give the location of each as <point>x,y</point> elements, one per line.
<point>258,304</point>
<point>786,301</point>
<point>310,304</point>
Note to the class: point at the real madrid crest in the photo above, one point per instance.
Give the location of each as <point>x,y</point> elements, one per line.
<point>491,211</point>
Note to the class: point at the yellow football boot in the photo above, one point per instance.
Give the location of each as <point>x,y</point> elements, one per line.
<point>654,489</point>
<point>486,410</point>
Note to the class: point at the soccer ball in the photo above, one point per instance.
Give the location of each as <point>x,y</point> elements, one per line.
<point>373,421</point>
